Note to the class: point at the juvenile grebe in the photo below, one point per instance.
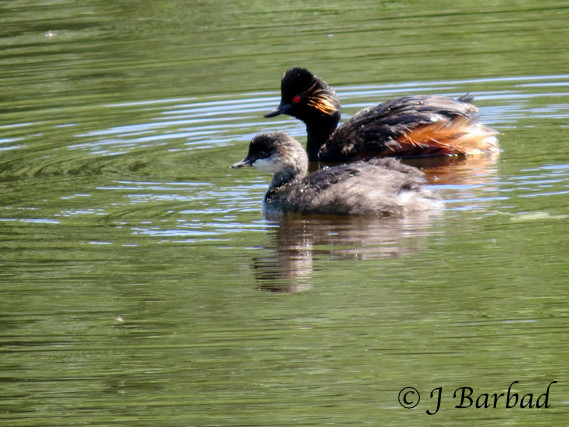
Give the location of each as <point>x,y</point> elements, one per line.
<point>374,187</point>
<point>411,126</point>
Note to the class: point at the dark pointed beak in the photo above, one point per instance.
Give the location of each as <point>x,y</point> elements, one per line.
<point>282,109</point>
<point>241,164</point>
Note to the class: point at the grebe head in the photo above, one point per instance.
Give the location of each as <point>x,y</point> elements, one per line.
<point>274,153</point>
<point>307,97</point>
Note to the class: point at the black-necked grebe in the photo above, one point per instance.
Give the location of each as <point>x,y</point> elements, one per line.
<point>375,187</point>
<point>411,126</point>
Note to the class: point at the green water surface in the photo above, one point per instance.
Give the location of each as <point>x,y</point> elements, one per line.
<point>140,285</point>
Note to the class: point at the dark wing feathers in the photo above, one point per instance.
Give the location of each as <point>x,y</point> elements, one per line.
<point>374,130</point>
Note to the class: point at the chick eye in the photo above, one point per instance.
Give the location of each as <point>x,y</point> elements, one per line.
<point>296,99</point>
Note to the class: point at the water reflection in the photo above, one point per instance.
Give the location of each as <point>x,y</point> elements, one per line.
<point>476,170</point>
<point>297,241</point>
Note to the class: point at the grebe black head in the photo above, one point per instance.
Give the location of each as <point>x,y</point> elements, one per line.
<point>305,95</point>
<point>311,100</point>
<point>411,126</point>
<point>375,187</point>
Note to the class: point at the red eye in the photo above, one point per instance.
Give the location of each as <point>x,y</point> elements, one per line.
<point>296,99</point>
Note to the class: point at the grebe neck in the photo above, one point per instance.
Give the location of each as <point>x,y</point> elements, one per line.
<point>288,175</point>
<point>318,133</point>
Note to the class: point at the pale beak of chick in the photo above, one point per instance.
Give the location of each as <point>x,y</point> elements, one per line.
<point>241,164</point>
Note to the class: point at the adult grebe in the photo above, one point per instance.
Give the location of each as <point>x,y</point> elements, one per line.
<point>411,126</point>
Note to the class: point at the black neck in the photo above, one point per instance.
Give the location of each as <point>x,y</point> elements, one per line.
<point>318,134</point>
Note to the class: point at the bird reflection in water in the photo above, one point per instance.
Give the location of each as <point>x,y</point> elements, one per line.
<point>297,241</point>
<point>456,171</point>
